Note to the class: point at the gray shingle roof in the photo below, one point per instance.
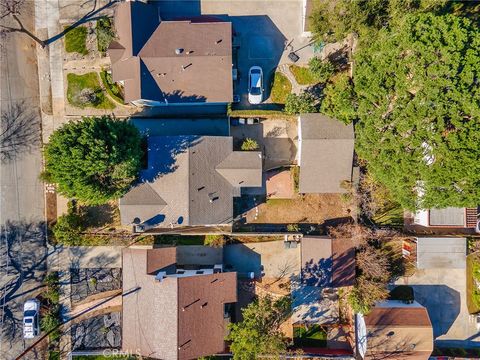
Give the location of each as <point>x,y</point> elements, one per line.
<point>240,168</point>
<point>448,216</point>
<point>182,171</point>
<point>326,154</point>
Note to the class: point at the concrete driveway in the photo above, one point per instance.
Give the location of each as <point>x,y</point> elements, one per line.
<point>266,259</point>
<point>262,29</point>
<point>277,138</point>
<point>442,290</point>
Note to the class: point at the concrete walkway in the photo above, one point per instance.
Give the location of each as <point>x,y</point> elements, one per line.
<point>68,257</point>
<point>50,64</point>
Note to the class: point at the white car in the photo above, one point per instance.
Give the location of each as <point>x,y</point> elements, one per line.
<point>31,323</point>
<point>255,85</point>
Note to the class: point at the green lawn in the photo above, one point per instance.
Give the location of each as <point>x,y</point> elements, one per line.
<point>76,40</point>
<point>473,277</point>
<point>315,336</point>
<point>85,91</point>
<point>281,87</point>
<point>303,75</point>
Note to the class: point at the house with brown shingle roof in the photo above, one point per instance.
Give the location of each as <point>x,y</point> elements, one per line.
<point>177,302</point>
<point>171,62</point>
<point>395,330</point>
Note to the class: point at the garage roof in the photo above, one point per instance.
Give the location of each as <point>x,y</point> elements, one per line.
<point>443,253</point>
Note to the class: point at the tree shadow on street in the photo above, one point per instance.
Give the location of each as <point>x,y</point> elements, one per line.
<point>22,259</point>
<point>19,131</point>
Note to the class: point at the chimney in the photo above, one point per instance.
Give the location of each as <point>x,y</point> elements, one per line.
<point>218,41</point>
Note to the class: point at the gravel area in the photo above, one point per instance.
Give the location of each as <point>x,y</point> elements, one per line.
<point>99,332</point>
<point>87,282</point>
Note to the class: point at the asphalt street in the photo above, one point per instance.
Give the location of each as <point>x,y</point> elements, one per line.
<point>22,238</point>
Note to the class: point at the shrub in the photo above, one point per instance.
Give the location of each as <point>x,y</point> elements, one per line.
<point>113,89</point>
<point>105,33</point>
<point>214,240</point>
<point>51,319</point>
<point>249,145</point>
<point>322,70</point>
<point>293,228</point>
<point>68,229</point>
<point>403,293</point>
<point>299,104</point>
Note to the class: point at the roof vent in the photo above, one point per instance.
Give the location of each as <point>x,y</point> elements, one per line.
<point>189,52</point>
<point>178,51</point>
<point>186,66</point>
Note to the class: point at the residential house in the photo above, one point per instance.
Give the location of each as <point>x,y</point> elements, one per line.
<point>164,63</point>
<point>176,302</point>
<point>325,155</point>
<point>395,330</point>
<point>327,265</point>
<point>190,181</point>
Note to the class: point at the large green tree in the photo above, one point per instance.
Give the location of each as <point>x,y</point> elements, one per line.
<point>333,20</point>
<point>416,90</point>
<point>93,160</point>
<point>259,331</point>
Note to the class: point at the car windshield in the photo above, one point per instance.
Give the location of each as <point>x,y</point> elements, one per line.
<point>29,313</point>
<point>255,91</point>
<point>28,320</point>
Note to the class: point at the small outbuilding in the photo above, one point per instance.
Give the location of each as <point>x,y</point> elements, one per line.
<point>326,148</point>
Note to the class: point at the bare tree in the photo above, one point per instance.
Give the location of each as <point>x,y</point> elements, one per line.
<point>373,264</point>
<point>12,9</point>
<point>19,130</point>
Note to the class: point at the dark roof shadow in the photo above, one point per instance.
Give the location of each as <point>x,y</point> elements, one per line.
<point>443,304</point>
<point>163,153</point>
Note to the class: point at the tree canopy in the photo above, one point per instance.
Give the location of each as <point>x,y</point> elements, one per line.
<point>416,94</point>
<point>333,20</point>
<point>93,160</point>
<point>259,331</point>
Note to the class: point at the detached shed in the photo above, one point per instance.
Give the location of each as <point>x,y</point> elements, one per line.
<point>441,253</point>
<point>325,154</point>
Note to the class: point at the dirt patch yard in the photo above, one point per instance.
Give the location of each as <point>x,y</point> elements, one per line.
<point>309,208</point>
